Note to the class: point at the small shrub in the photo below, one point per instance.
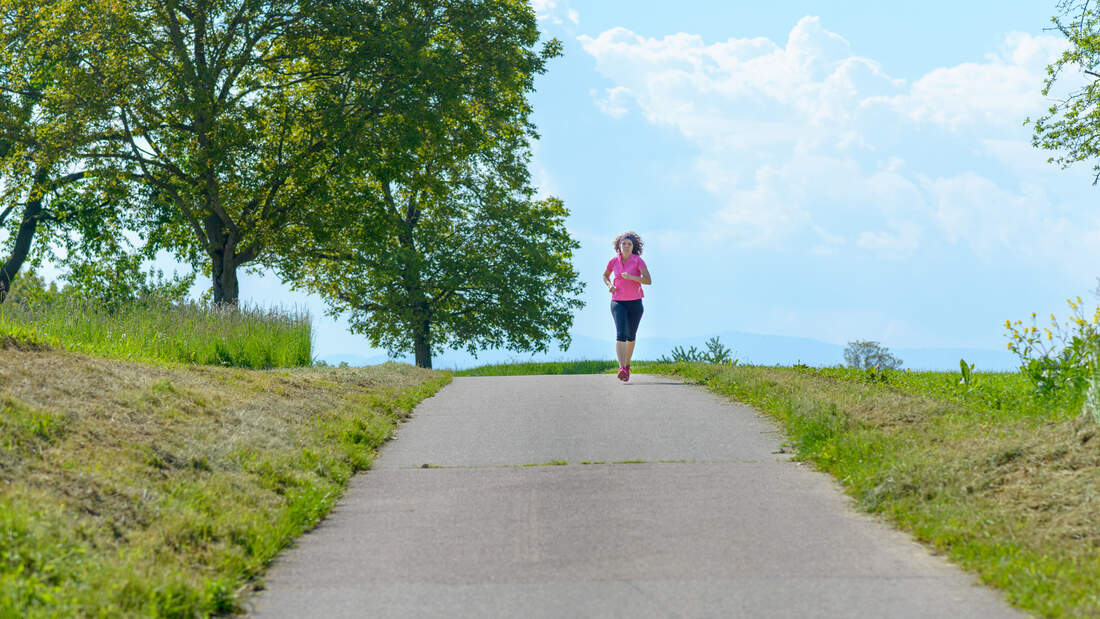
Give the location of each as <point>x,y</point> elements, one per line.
<point>1066,359</point>
<point>715,353</point>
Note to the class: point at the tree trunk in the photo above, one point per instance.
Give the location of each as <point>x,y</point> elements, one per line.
<point>422,336</point>
<point>31,215</point>
<point>223,262</point>
<point>224,275</point>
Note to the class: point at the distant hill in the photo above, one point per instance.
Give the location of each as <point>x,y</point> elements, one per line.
<point>754,348</point>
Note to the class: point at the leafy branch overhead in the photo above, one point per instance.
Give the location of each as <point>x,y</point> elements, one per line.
<point>1071,125</point>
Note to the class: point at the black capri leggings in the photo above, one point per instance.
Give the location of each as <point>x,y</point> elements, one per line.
<point>627,315</point>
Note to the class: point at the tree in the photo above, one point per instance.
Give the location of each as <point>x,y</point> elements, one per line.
<point>1071,125</point>
<point>863,354</point>
<point>438,241</point>
<point>47,114</point>
<point>219,122</point>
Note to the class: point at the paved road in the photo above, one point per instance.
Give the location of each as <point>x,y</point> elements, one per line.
<point>674,503</point>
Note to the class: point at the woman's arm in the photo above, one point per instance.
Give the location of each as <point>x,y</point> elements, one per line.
<point>607,281</point>
<point>644,279</point>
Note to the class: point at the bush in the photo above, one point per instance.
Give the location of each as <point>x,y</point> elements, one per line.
<point>1066,359</point>
<point>715,353</point>
<point>119,281</point>
<point>865,355</point>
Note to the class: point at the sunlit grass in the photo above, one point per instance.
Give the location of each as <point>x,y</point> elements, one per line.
<point>151,490</point>
<point>188,333</point>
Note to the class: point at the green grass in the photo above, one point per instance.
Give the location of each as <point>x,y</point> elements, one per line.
<point>134,489</point>
<point>549,367</point>
<point>182,333</point>
<point>1005,483</point>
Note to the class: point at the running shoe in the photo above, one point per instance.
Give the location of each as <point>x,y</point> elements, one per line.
<point>627,367</point>
<point>623,373</point>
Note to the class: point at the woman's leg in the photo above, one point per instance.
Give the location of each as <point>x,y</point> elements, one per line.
<point>634,318</point>
<point>627,353</point>
<point>622,323</point>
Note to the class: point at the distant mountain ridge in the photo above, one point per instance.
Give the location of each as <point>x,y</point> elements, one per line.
<point>752,348</point>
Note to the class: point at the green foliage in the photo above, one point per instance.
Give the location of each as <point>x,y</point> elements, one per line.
<point>715,353</point>
<point>1067,358</point>
<point>1091,406</point>
<point>1071,125</point>
<point>229,127</point>
<point>433,238</point>
<point>120,281</point>
<point>967,373</point>
<point>866,354</point>
<point>53,196</point>
<point>153,327</point>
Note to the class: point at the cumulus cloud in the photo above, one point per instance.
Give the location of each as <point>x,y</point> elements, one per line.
<point>807,144</point>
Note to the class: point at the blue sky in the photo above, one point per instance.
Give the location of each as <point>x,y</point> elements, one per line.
<point>831,170</point>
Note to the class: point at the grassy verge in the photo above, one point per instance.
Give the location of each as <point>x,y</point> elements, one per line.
<point>131,489</point>
<point>1004,483</point>
<point>185,333</point>
<point>549,367</point>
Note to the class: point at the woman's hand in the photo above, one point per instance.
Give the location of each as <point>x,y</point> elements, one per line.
<point>626,275</point>
<point>611,289</point>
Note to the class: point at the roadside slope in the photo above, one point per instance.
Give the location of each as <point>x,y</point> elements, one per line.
<point>160,489</point>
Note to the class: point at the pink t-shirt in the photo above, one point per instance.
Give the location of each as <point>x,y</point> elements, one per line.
<point>626,289</point>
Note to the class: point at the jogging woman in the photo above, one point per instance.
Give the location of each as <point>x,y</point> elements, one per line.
<point>630,273</point>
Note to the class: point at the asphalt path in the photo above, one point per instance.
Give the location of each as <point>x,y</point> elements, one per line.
<point>673,502</point>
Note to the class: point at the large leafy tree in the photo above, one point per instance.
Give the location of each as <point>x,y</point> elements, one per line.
<point>438,241</point>
<point>1071,125</point>
<point>48,115</point>
<point>220,119</point>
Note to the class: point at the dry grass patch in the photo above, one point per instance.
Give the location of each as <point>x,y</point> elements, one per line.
<point>136,489</point>
<point>1004,483</point>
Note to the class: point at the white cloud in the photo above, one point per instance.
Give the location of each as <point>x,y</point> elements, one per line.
<point>809,145</point>
<point>614,102</point>
<point>574,16</point>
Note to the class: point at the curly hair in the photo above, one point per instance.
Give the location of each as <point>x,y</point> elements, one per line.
<point>634,238</point>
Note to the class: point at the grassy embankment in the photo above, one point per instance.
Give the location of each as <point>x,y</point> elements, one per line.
<point>1002,481</point>
<point>160,488</point>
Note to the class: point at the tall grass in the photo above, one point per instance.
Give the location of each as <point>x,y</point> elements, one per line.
<point>161,331</point>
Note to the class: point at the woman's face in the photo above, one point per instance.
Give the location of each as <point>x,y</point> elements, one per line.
<point>626,246</point>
